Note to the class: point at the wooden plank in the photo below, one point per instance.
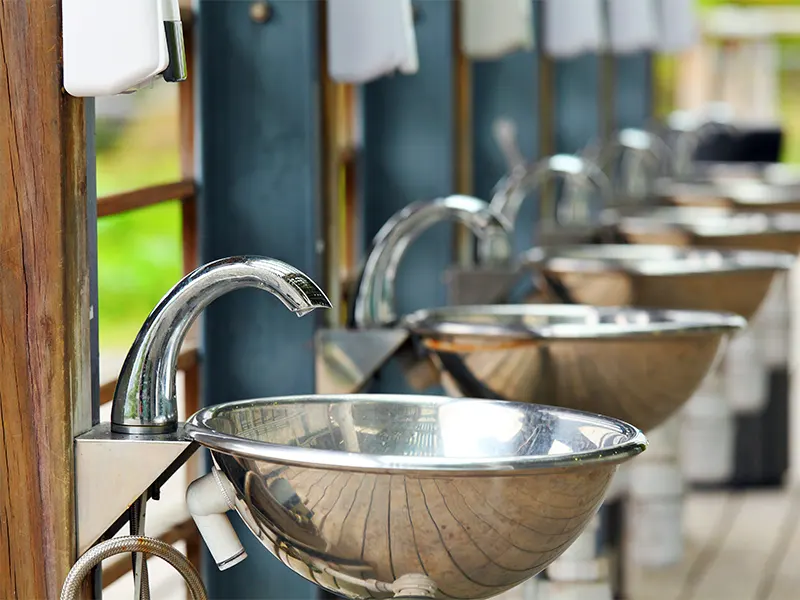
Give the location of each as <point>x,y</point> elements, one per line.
<point>335,142</point>
<point>463,138</point>
<point>507,88</point>
<point>260,162</point>
<point>44,293</point>
<point>187,360</point>
<point>154,194</point>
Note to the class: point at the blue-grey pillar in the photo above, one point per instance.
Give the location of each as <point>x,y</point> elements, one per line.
<point>576,102</point>
<point>633,89</point>
<point>259,136</point>
<point>505,88</point>
<point>409,154</point>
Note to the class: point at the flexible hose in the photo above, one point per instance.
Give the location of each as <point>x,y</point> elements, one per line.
<point>97,554</point>
<point>144,587</point>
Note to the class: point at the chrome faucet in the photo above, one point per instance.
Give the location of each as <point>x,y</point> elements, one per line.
<point>375,299</point>
<point>144,400</point>
<point>522,179</point>
<point>642,153</point>
<point>691,130</point>
<point>509,197</point>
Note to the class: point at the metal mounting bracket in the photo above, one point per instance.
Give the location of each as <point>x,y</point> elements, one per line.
<point>112,470</point>
<point>346,360</point>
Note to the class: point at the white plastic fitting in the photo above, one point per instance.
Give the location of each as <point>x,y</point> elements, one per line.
<point>208,499</point>
<point>414,585</point>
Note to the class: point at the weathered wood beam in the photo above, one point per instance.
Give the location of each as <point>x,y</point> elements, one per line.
<point>44,302</point>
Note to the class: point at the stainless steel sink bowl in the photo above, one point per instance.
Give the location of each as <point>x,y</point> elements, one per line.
<point>708,227</point>
<point>657,276</point>
<point>750,194</point>
<point>631,364</point>
<point>354,492</point>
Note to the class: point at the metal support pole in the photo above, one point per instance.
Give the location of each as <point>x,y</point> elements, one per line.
<point>577,101</point>
<point>633,90</point>
<point>506,88</point>
<point>409,154</point>
<point>259,136</point>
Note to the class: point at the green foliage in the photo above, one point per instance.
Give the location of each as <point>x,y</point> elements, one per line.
<point>139,252</point>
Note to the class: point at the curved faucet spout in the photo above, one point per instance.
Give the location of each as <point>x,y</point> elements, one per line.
<point>144,400</point>
<point>691,130</point>
<point>642,154</point>
<point>509,197</point>
<point>375,299</point>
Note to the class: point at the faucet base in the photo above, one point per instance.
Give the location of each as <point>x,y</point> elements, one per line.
<point>104,492</point>
<point>144,430</point>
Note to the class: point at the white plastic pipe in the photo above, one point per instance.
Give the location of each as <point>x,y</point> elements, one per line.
<point>208,499</point>
<point>745,369</point>
<point>656,500</point>
<point>772,324</point>
<point>707,434</point>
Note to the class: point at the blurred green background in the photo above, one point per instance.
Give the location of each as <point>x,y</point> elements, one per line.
<point>137,144</point>
<point>139,252</point>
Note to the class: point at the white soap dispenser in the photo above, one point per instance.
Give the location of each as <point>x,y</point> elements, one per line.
<point>573,27</point>
<point>491,29</point>
<point>116,46</point>
<point>679,27</point>
<point>368,39</point>
<point>632,26</point>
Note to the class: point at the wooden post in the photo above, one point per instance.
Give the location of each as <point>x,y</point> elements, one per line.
<point>44,302</point>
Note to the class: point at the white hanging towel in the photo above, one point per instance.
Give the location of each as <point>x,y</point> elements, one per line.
<point>679,28</point>
<point>573,27</point>
<point>632,26</point>
<point>368,39</point>
<point>493,28</point>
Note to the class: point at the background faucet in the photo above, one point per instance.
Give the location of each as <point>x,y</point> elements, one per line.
<point>636,156</point>
<point>579,173</point>
<point>375,299</point>
<point>144,400</point>
<point>690,131</point>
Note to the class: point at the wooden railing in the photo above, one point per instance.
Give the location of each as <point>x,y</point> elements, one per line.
<point>183,190</point>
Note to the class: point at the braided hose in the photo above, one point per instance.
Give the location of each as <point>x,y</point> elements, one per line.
<point>144,583</point>
<point>97,554</point>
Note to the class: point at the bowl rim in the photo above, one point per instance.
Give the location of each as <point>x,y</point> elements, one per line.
<point>556,259</point>
<point>750,223</point>
<point>444,322</point>
<point>197,428</point>
<point>752,193</point>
